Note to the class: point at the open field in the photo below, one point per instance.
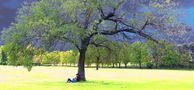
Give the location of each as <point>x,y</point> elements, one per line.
<point>54,78</point>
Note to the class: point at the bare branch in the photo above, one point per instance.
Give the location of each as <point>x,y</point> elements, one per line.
<point>125,30</point>
<point>144,26</point>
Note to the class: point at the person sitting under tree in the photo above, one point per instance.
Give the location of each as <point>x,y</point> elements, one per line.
<point>76,79</point>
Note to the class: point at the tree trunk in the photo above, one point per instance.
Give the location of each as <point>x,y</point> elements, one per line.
<point>81,62</point>
<point>125,65</point>
<point>119,64</point>
<point>140,64</point>
<point>157,62</point>
<point>81,65</point>
<point>97,63</point>
<point>102,65</point>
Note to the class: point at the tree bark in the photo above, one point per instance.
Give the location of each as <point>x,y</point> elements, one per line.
<point>113,65</point>
<point>97,63</point>
<point>81,62</point>
<point>119,64</point>
<point>157,60</point>
<point>102,65</point>
<point>140,64</point>
<point>156,64</point>
<point>81,65</point>
<point>125,65</point>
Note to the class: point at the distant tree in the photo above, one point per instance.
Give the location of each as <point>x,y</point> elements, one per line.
<point>122,53</point>
<point>186,59</point>
<point>118,54</point>
<point>155,52</point>
<point>140,53</point>
<point>90,56</point>
<point>185,54</point>
<point>170,56</point>
<point>51,58</point>
<point>97,53</point>
<point>127,51</point>
<point>3,59</point>
<point>74,57</point>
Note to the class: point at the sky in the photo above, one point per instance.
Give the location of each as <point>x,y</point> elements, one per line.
<point>189,17</point>
<point>8,9</point>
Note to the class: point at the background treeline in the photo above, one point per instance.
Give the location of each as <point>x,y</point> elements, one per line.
<point>140,55</point>
<point>117,55</point>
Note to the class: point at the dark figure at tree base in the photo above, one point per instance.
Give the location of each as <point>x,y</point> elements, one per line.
<point>76,79</point>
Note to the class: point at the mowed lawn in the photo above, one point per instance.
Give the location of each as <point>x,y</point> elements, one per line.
<point>54,78</point>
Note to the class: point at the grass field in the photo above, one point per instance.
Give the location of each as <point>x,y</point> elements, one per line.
<point>54,78</point>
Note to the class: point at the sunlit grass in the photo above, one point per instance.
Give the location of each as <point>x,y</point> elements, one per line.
<point>54,78</point>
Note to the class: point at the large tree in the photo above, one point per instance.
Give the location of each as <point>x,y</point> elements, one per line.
<point>49,24</point>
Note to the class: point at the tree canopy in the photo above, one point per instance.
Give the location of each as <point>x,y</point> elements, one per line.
<point>76,24</point>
